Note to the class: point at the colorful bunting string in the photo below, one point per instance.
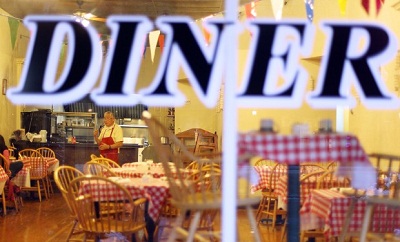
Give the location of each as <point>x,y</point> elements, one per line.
<point>277,7</point>
<point>342,6</point>
<point>161,40</point>
<point>13,24</point>
<point>250,10</point>
<point>309,9</point>
<point>153,39</point>
<point>367,7</point>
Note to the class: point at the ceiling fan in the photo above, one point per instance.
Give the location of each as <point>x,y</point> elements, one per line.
<point>84,16</point>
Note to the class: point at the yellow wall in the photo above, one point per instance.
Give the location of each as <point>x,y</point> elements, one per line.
<point>8,68</point>
<point>378,130</point>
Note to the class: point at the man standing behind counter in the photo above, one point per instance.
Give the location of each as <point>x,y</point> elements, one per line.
<point>110,138</point>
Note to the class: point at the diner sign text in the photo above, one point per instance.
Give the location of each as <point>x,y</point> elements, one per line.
<point>354,53</point>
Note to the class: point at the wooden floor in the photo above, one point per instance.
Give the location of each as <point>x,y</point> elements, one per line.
<point>50,221</point>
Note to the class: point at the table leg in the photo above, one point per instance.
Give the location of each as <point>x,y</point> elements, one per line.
<point>347,219</point>
<point>293,207</point>
<point>150,224</point>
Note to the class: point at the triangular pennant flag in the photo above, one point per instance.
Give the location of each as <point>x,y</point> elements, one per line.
<point>206,35</point>
<point>277,6</point>
<point>342,6</point>
<point>161,40</point>
<point>13,24</point>
<point>144,47</point>
<point>366,6</point>
<point>379,5</point>
<point>153,39</point>
<point>250,10</point>
<point>309,9</point>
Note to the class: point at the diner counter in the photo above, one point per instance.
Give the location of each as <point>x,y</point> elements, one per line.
<point>79,153</point>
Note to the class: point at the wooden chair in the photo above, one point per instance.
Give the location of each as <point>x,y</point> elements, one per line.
<point>97,169</point>
<point>264,162</point>
<point>63,176</point>
<point>3,197</point>
<point>206,144</point>
<point>93,156</point>
<point>119,213</point>
<point>269,202</point>
<point>190,197</point>
<point>16,198</point>
<point>106,162</point>
<point>328,180</point>
<point>189,138</point>
<point>194,165</point>
<point>48,153</point>
<point>306,168</point>
<point>38,172</point>
<point>333,165</point>
<point>11,150</point>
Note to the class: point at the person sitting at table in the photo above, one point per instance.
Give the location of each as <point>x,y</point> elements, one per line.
<point>13,167</point>
<point>17,142</point>
<point>110,138</point>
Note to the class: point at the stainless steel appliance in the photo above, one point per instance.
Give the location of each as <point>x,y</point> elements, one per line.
<point>136,133</point>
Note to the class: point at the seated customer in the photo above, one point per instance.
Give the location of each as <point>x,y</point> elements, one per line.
<point>17,142</point>
<point>11,167</point>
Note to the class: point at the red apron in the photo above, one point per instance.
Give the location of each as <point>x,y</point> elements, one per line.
<point>111,154</point>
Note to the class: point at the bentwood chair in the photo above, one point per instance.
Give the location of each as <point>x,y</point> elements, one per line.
<point>97,169</point>
<point>38,172</point>
<point>106,162</point>
<point>63,176</point>
<point>118,213</point>
<point>269,202</point>
<point>3,197</point>
<point>48,153</point>
<point>93,156</point>
<point>328,180</point>
<point>192,197</point>
<point>5,189</point>
<point>264,162</point>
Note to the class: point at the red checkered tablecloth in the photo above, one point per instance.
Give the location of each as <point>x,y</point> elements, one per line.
<point>156,191</point>
<point>294,149</point>
<point>139,171</point>
<point>327,209</point>
<point>282,190</point>
<point>3,175</point>
<point>264,173</point>
<point>22,178</point>
<point>139,164</point>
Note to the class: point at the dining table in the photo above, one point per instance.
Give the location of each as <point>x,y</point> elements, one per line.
<point>292,150</point>
<point>155,190</point>
<point>326,209</point>
<point>155,170</point>
<point>23,177</point>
